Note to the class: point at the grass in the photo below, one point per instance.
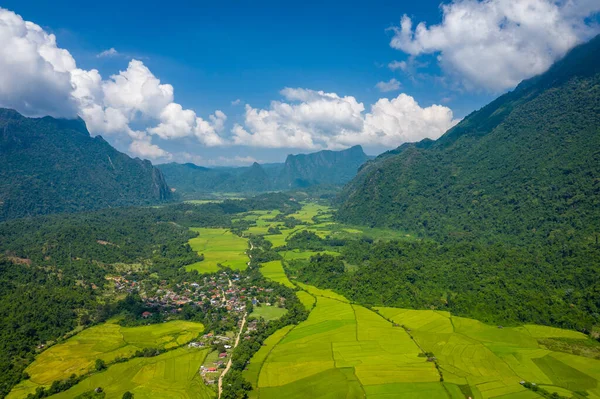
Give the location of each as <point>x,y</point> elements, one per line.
<point>170,375</point>
<point>268,312</point>
<point>219,246</point>
<point>108,341</point>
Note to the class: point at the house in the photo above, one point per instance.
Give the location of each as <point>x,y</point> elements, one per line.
<point>222,355</point>
<point>146,314</point>
<point>227,346</point>
<point>211,369</point>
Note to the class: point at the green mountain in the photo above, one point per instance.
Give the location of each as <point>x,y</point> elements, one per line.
<point>304,170</point>
<point>52,165</point>
<point>526,166</point>
<point>190,180</point>
<point>323,167</point>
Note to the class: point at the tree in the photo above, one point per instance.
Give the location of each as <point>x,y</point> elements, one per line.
<point>127,395</point>
<point>100,365</point>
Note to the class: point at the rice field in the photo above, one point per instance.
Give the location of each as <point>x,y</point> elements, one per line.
<point>338,351</point>
<point>172,375</point>
<point>108,341</point>
<point>274,271</point>
<point>220,247</point>
<point>348,351</point>
<point>493,360</point>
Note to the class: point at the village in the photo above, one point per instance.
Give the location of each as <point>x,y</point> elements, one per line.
<point>227,295</point>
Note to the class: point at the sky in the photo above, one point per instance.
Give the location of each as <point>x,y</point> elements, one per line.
<point>233,82</point>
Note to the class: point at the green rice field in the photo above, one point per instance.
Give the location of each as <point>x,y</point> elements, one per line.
<point>171,375</point>
<point>274,272</point>
<point>220,247</point>
<point>347,351</point>
<point>78,354</point>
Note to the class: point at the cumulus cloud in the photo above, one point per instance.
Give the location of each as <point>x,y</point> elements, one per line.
<point>34,73</point>
<point>111,52</point>
<point>145,149</point>
<point>391,85</point>
<point>494,44</point>
<point>38,78</point>
<point>315,120</point>
<point>236,102</point>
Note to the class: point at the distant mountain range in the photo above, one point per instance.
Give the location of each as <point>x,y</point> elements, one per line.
<point>527,164</point>
<point>52,165</point>
<point>298,171</point>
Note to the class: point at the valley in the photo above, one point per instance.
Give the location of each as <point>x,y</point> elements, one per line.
<point>339,348</point>
<point>258,252</point>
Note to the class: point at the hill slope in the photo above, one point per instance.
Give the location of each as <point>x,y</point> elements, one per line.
<point>526,165</point>
<point>50,165</point>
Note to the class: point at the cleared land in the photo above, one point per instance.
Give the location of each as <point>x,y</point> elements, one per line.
<point>171,375</point>
<point>268,312</point>
<point>108,341</point>
<point>219,246</point>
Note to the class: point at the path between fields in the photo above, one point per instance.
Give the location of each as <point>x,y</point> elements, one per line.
<point>237,341</point>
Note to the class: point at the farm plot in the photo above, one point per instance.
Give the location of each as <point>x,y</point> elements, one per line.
<point>339,351</point>
<point>171,375</point>
<point>220,247</point>
<point>274,271</point>
<point>493,360</point>
<point>108,341</point>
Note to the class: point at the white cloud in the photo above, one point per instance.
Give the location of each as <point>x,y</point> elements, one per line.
<point>316,120</point>
<point>236,102</point>
<point>111,52</point>
<point>395,65</point>
<point>391,85</point>
<point>494,44</point>
<point>38,78</point>
<point>34,73</point>
<point>145,149</point>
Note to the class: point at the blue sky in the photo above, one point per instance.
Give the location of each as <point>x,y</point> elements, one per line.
<point>213,53</point>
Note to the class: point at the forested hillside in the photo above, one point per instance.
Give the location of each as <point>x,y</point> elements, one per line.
<point>51,165</point>
<point>523,168</point>
<point>323,167</point>
<point>299,171</point>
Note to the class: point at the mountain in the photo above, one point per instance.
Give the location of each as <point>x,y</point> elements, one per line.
<point>52,165</point>
<point>524,166</point>
<point>323,167</point>
<point>320,168</point>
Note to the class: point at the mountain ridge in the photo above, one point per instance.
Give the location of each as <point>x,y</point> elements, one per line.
<point>518,166</point>
<point>53,165</point>
<point>301,170</point>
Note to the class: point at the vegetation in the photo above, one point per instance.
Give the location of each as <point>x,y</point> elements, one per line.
<point>496,284</point>
<point>52,165</point>
<point>320,171</point>
<point>520,170</point>
<point>53,268</point>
